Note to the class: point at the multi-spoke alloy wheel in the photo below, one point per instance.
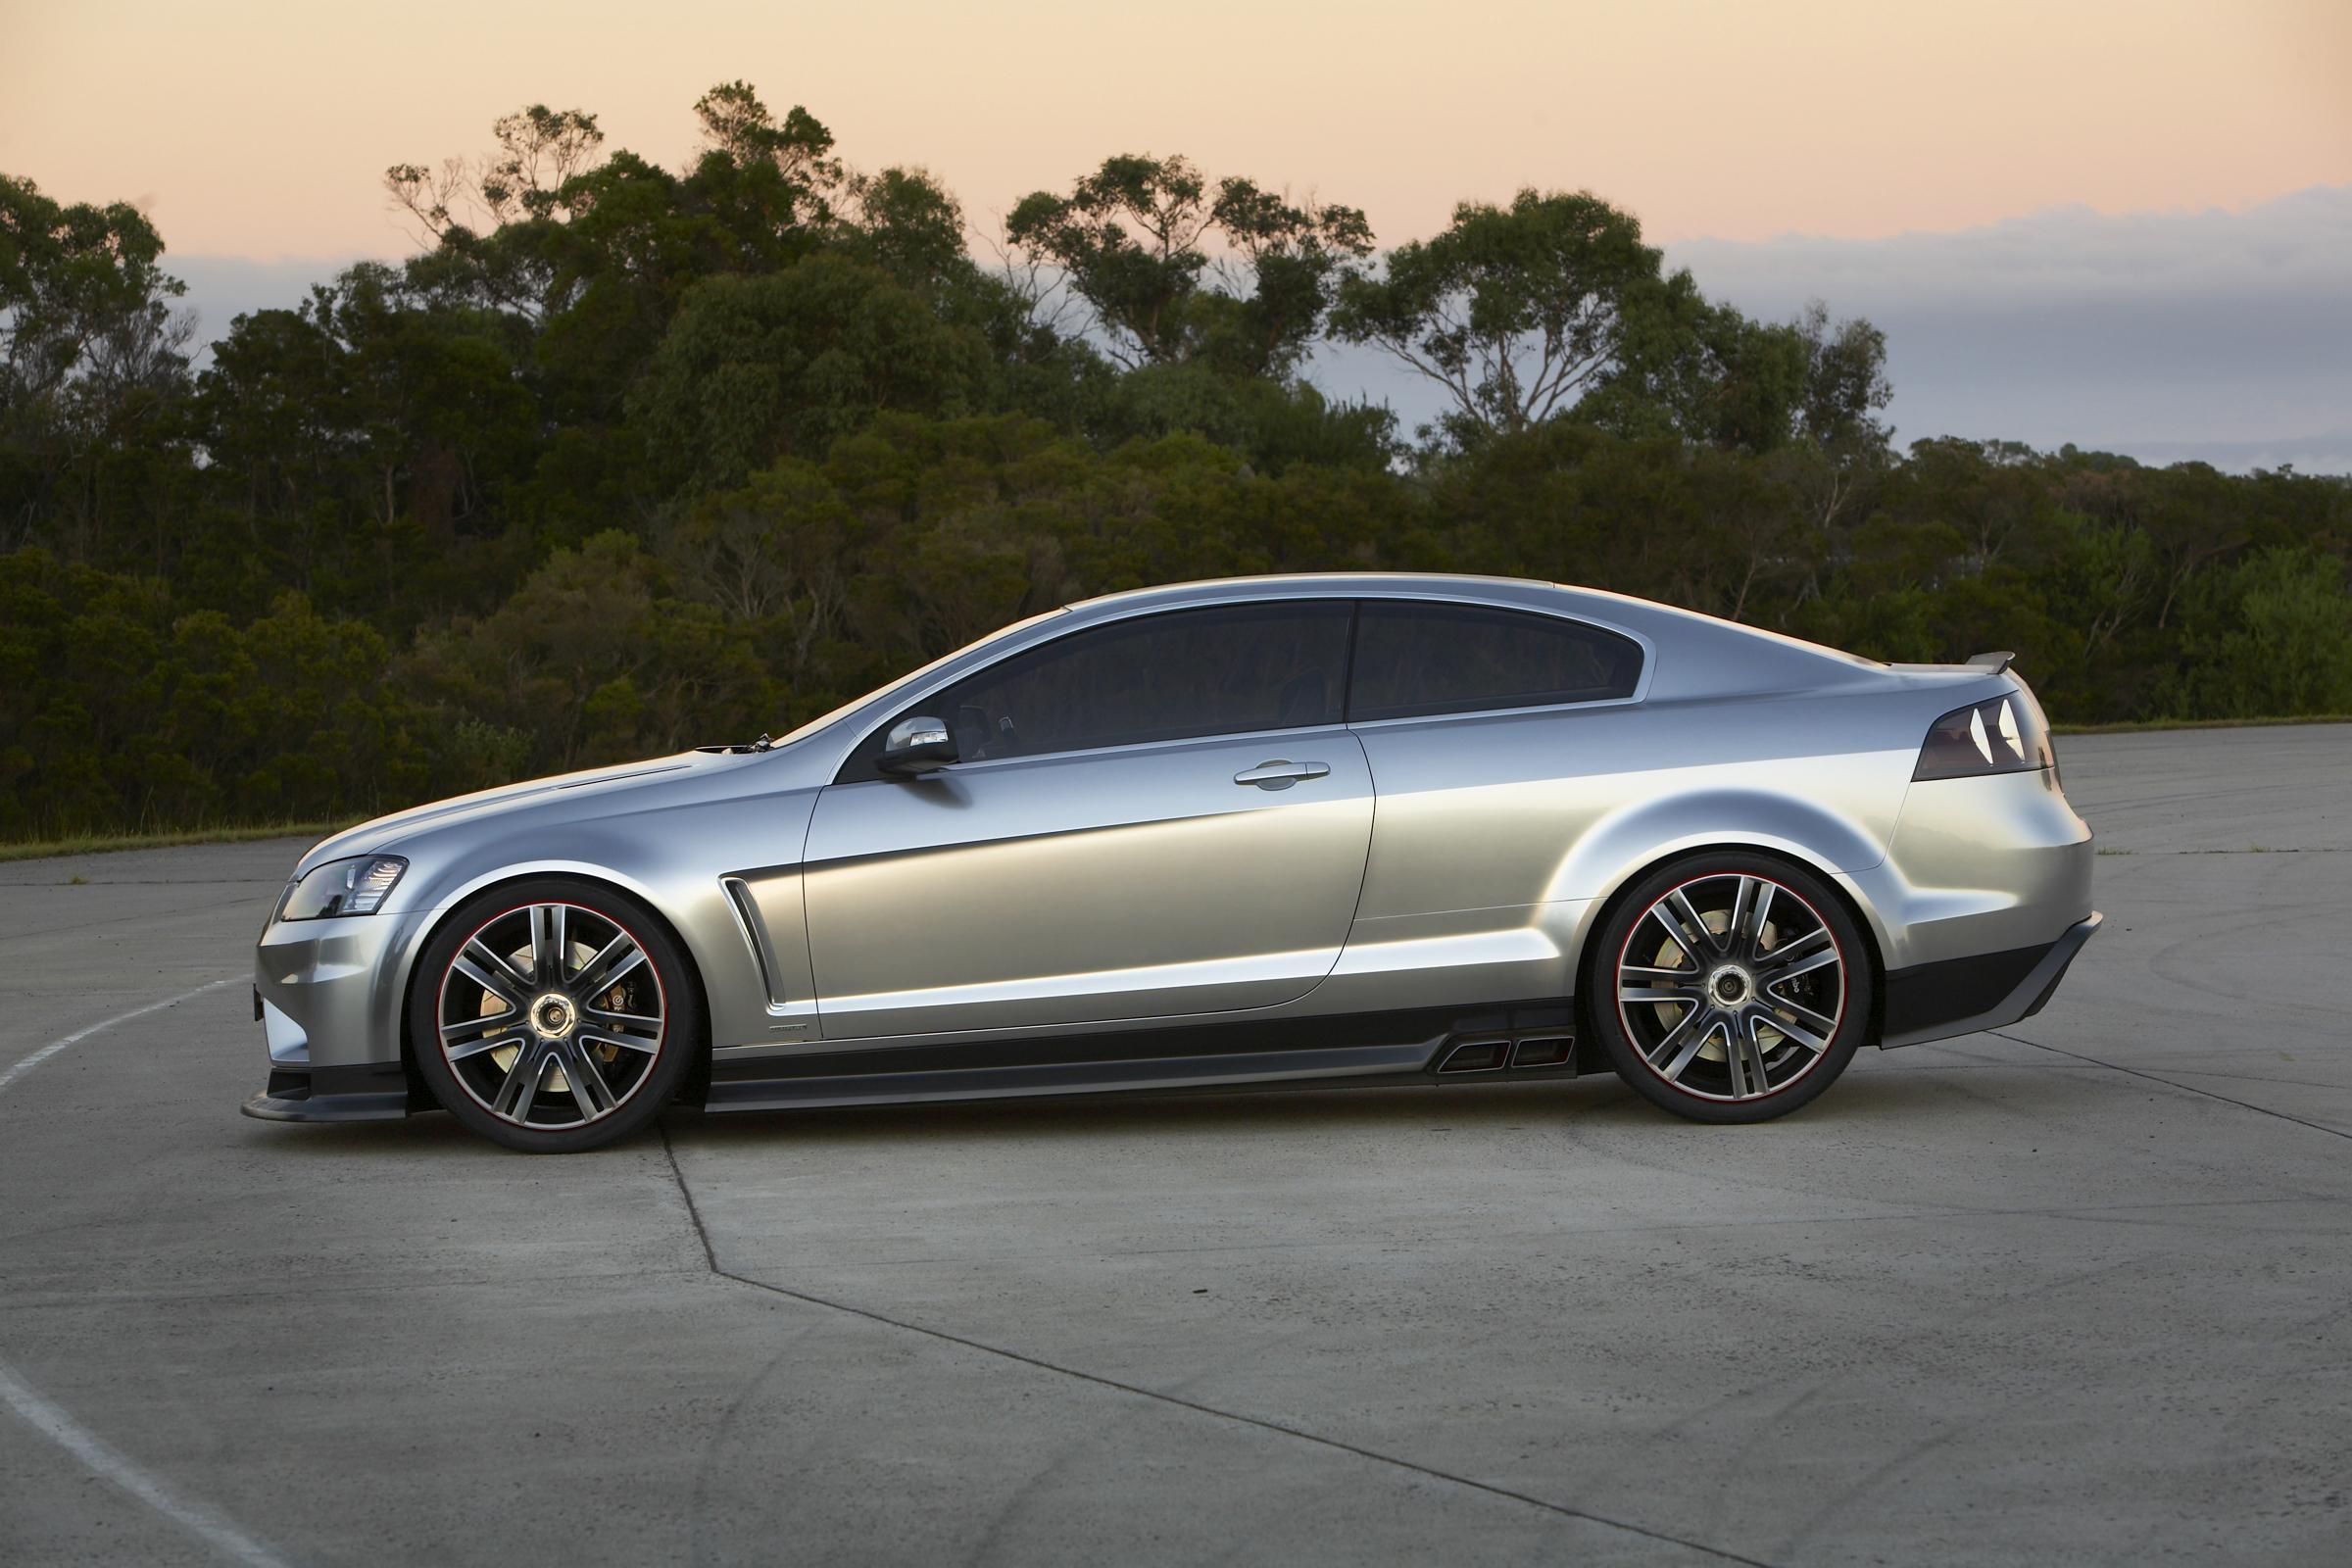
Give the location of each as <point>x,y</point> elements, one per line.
<point>554,1019</point>
<point>1731,988</point>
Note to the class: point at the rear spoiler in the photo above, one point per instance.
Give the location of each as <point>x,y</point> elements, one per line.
<point>1994,663</point>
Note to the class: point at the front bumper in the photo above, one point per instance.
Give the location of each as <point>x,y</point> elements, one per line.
<point>1937,1001</point>
<point>329,994</point>
<point>332,989</point>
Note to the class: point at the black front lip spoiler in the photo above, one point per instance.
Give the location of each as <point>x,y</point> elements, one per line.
<point>1937,1001</point>
<point>375,1091</point>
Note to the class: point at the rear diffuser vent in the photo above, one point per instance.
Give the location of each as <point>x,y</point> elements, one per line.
<point>1480,1056</point>
<point>1541,1051</point>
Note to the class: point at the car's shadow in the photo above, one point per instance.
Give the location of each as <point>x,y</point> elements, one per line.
<point>1187,1112</point>
<point>1595,1102</point>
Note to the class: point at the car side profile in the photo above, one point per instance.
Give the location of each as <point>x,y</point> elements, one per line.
<point>1332,830</point>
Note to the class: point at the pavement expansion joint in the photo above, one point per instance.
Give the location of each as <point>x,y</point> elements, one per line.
<point>2186,1089</point>
<point>703,1233</point>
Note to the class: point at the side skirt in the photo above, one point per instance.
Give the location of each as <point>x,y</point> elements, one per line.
<point>1358,1051</point>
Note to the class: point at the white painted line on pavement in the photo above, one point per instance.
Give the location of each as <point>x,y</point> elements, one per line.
<point>46,1417</point>
<point>26,1065</point>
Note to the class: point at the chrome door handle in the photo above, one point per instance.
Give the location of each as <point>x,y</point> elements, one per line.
<point>1279,774</point>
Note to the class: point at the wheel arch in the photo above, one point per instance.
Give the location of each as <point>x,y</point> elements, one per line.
<point>1630,842</point>
<point>698,1078</point>
<point>1604,909</point>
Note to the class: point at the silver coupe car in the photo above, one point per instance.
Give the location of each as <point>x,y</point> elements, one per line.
<point>1334,830</point>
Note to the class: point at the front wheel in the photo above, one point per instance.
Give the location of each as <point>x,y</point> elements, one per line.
<point>1730,987</point>
<point>553,1015</point>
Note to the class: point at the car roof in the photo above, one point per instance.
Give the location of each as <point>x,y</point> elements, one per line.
<point>1341,584</point>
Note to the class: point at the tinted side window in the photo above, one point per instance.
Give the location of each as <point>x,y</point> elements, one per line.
<point>1161,677</point>
<point>1414,659</point>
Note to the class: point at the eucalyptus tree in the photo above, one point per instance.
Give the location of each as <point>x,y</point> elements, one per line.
<point>93,353</point>
<point>1135,241</point>
<point>1514,311</point>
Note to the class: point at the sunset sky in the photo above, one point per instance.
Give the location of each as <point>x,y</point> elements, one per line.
<point>255,132</point>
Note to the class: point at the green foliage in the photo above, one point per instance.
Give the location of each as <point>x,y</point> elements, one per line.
<point>631,459</point>
<point>1274,426</point>
<point>2268,635</point>
<point>91,366</point>
<point>755,367</point>
<point>1513,311</point>
<point>593,660</point>
<point>132,714</point>
<point>909,226</point>
<point>1132,238</point>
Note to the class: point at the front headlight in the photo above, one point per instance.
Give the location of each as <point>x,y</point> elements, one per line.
<point>342,886</point>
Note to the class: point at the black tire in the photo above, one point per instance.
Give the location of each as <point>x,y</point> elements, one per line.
<point>489,1018</point>
<point>1762,984</point>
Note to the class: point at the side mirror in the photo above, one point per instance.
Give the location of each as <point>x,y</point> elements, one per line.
<point>917,746</point>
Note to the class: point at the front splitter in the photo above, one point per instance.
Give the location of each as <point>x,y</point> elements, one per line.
<point>376,1091</point>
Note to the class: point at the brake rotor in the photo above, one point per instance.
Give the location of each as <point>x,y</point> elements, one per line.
<point>503,1056</point>
<point>1718,921</point>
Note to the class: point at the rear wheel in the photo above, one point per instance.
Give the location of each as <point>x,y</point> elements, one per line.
<point>554,1016</point>
<point>1729,988</point>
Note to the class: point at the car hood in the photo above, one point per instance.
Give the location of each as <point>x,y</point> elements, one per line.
<point>386,833</point>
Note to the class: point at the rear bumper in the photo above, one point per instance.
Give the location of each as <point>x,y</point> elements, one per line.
<point>1937,1001</point>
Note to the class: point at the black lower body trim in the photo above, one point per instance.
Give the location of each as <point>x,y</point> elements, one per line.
<point>1354,1052</point>
<point>375,1091</point>
<point>1961,996</point>
<point>1273,1069</point>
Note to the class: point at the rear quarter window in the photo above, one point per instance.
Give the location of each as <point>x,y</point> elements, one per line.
<point>1415,658</point>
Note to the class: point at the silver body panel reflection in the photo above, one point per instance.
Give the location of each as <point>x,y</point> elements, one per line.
<point>1135,883</point>
<point>1445,861</point>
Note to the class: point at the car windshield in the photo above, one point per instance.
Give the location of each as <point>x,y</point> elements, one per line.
<point>913,676</point>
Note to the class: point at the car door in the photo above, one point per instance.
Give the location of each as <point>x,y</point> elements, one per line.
<point>1159,817</point>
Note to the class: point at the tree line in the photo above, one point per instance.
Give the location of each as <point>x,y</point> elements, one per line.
<point>629,458</point>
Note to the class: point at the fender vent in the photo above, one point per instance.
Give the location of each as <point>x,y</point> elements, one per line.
<point>755,932</point>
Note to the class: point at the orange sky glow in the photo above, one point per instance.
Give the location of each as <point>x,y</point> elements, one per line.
<point>261,129</point>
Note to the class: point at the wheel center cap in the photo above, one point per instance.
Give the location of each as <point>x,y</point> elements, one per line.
<point>1731,985</point>
<point>553,1015</point>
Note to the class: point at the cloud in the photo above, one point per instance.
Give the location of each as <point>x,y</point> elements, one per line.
<point>2068,255</point>
<point>2225,335</point>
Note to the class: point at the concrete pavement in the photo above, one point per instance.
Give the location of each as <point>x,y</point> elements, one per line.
<point>2075,1292</point>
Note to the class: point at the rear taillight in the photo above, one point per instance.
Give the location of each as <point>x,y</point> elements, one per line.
<point>2000,735</point>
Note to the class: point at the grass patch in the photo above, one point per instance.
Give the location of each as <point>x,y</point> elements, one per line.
<point>108,842</point>
<point>2141,726</point>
